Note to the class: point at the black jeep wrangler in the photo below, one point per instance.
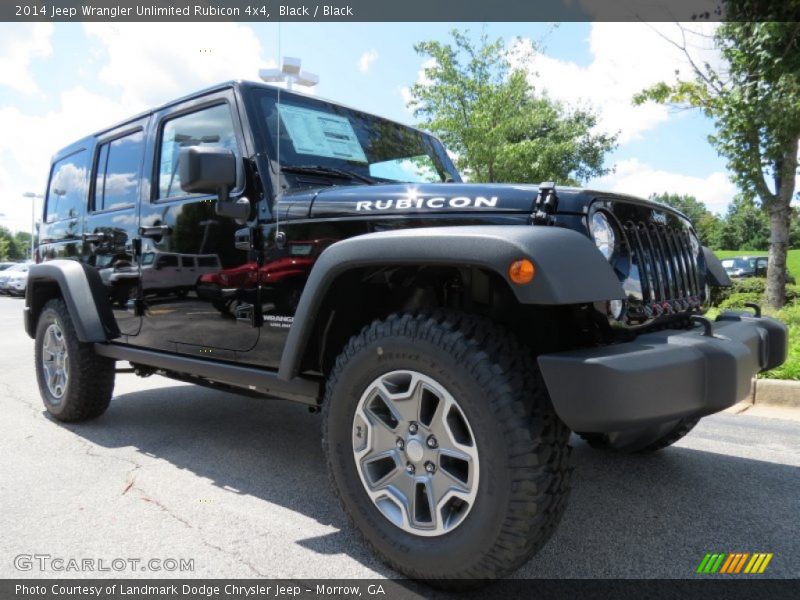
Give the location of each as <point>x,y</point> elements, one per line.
<point>452,334</point>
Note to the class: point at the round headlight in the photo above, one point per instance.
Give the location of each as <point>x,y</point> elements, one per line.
<point>603,233</point>
<point>616,308</point>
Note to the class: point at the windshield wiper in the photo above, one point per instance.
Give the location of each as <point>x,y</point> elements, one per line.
<point>322,170</point>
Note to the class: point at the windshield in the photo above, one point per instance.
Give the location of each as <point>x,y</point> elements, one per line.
<point>17,267</point>
<point>325,136</point>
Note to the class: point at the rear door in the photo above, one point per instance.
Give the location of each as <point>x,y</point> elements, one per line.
<point>112,219</point>
<point>62,224</point>
<point>185,228</point>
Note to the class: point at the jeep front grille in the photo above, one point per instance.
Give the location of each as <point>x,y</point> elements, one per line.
<point>668,270</point>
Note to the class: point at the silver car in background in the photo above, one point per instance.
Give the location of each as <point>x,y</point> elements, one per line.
<point>14,280</point>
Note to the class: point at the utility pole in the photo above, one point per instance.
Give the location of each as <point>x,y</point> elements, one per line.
<point>33,198</point>
<point>290,73</point>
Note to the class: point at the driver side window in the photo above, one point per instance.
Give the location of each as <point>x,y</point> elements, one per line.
<point>212,126</point>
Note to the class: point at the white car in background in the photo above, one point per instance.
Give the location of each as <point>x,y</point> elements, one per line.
<point>14,280</point>
<point>176,273</point>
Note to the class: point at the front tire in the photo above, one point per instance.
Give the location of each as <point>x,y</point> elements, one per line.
<point>514,470</point>
<point>75,383</point>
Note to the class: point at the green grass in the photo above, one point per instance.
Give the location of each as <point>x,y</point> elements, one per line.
<point>793,260</point>
<point>790,315</point>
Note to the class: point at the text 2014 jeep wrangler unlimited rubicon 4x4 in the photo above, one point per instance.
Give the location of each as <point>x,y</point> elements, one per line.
<point>452,334</point>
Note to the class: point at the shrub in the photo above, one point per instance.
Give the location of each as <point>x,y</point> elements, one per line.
<point>738,300</point>
<point>753,287</point>
<point>791,368</point>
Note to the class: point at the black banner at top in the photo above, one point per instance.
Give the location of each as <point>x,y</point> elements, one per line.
<point>379,10</point>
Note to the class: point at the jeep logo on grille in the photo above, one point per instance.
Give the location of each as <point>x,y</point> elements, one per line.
<point>659,218</point>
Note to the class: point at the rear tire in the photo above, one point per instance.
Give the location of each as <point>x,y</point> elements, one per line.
<point>75,383</point>
<point>521,446</point>
<point>643,440</point>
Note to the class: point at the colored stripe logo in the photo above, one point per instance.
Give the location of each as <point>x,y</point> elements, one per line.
<point>734,563</point>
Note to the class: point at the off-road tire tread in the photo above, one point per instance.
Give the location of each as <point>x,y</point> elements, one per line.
<point>537,440</point>
<point>91,377</point>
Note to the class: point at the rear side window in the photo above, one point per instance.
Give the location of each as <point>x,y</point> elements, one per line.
<point>187,261</point>
<point>117,179</point>
<point>211,126</point>
<point>66,194</point>
<point>167,260</point>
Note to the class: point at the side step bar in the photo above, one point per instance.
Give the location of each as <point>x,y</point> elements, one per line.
<point>299,389</point>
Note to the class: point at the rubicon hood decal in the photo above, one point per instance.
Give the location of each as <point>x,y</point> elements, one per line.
<point>410,202</point>
<point>423,198</point>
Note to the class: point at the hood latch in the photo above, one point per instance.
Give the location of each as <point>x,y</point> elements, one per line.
<point>545,205</point>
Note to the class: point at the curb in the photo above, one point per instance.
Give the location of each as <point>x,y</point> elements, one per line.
<point>776,392</point>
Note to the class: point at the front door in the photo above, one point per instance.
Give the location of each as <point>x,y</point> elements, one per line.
<point>197,289</point>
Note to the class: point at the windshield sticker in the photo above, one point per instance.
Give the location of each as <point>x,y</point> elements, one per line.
<point>321,134</point>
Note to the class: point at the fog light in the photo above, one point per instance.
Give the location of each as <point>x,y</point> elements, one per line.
<point>616,308</point>
<point>521,271</point>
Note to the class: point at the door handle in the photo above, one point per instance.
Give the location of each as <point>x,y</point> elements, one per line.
<point>243,240</point>
<point>155,231</point>
<point>93,238</point>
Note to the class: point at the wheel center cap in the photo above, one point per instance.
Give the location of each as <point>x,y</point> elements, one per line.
<point>414,451</point>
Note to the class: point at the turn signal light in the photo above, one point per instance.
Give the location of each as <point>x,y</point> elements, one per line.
<point>521,271</point>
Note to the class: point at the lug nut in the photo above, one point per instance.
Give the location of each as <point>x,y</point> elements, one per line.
<point>400,445</point>
<point>410,469</point>
<point>432,443</point>
<point>412,428</point>
<point>430,467</point>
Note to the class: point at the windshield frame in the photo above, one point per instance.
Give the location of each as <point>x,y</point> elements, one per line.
<point>265,145</point>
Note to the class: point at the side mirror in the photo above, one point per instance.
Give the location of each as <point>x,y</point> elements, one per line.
<point>207,170</point>
<point>212,170</point>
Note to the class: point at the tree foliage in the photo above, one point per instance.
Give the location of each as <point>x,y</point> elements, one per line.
<point>10,248</point>
<point>487,113</point>
<point>743,227</point>
<point>755,105</point>
<point>706,223</point>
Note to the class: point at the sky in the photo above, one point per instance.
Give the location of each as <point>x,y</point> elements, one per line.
<point>61,81</point>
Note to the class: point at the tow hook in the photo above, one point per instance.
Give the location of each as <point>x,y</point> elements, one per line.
<point>708,326</point>
<point>756,308</point>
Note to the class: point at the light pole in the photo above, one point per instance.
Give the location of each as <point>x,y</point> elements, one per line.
<point>33,198</point>
<point>290,73</point>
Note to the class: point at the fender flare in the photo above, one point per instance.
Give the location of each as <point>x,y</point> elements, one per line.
<point>569,268</point>
<point>83,292</point>
<point>715,272</point>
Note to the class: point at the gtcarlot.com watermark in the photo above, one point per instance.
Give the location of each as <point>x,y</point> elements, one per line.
<point>67,564</point>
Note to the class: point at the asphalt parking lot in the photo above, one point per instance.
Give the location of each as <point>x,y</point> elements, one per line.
<point>239,486</point>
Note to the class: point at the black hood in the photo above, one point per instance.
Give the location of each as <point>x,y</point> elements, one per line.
<point>423,198</point>
<point>427,198</point>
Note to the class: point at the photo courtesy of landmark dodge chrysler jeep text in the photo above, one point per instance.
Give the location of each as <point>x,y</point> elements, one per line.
<point>451,334</point>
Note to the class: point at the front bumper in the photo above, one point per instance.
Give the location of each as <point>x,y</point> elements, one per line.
<point>663,376</point>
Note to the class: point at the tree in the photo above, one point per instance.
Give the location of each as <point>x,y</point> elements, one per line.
<point>746,225</point>
<point>488,115</point>
<point>23,239</point>
<point>706,223</point>
<point>755,105</point>
<point>10,248</point>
